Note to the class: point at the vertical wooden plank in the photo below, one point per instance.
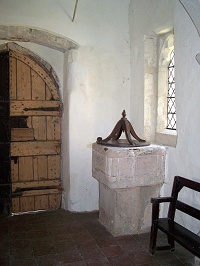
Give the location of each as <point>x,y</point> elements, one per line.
<point>13,78</point>
<point>40,167</point>
<point>54,201</point>
<point>39,126</point>
<point>25,168</point>
<point>53,166</point>
<point>53,127</point>
<point>27,204</point>
<point>48,93</point>
<point>15,205</point>
<point>42,202</point>
<point>23,81</point>
<point>38,86</point>
<point>35,168</point>
<point>14,171</point>
<point>29,122</point>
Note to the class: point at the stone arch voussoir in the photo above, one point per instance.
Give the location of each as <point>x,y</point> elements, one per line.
<point>39,36</point>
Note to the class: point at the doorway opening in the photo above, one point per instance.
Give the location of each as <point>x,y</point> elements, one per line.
<point>30,135</point>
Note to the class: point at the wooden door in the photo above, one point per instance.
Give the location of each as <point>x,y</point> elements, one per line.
<point>5,175</point>
<point>35,136</point>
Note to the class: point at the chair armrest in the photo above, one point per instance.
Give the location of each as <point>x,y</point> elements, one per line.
<point>155,206</point>
<point>162,199</point>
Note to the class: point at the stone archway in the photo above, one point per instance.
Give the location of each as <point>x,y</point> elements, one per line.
<point>38,36</point>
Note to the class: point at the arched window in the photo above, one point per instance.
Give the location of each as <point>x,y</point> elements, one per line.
<point>159,89</point>
<point>171,104</point>
<point>166,133</point>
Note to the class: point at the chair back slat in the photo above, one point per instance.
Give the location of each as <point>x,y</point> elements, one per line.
<point>179,183</point>
<point>181,206</point>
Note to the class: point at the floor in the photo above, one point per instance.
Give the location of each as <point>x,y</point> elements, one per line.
<point>63,238</point>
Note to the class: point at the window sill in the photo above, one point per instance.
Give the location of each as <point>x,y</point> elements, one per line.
<point>167,137</point>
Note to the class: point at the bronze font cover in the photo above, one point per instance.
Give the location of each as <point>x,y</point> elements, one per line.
<point>123,125</point>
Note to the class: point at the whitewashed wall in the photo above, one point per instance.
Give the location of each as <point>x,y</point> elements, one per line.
<point>95,79</point>
<point>146,17</point>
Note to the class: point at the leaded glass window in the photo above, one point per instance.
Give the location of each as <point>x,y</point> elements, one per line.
<point>171,105</point>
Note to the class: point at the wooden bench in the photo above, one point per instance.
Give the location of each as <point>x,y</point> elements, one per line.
<point>173,230</point>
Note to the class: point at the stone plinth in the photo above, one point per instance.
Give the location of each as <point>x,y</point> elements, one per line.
<point>128,179</point>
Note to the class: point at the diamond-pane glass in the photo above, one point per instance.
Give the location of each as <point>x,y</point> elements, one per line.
<point>171,89</point>
<point>171,104</point>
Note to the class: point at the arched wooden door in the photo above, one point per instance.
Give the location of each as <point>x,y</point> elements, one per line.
<point>35,136</point>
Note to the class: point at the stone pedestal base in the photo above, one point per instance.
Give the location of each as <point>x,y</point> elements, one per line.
<point>128,179</point>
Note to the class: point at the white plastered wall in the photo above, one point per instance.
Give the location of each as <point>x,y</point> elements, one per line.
<point>146,19</point>
<point>95,79</point>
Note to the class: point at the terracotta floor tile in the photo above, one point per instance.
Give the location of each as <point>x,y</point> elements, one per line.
<point>34,241</point>
<point>70,257</point>
<point>121,261</point>
<point>172,262</point>
<point>165,254</point>
<point>21,252</point>
<point>87,245</point>
<point>143,259</point>
<point>19,235</point>
<point>134,249</point>
<point>4,250</point>
<point>98,262</point>
<point>4,261</point>
<point>125,239</point>
<point>4,230</point>
<point>80,237</point>
<point>63,247</point>
<point>39,225</point>
<point>17,228</point>
<point>142,237</point>
<point>76,228</point>
<point>110,241</point>
<point>62,238</point>
<point>38,233</point>
<point>112,251</point>
<point>154,263</point>
<point>77,263</point>
<point>43,248</point>
<point>5,238</point>
<point>92,254</point>
<point>23,262</point>
<point>48,260</point>
<point>101,234</point>
<point>19,243</point>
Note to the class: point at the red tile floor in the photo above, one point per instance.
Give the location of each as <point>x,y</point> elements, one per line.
<point>63,238</point>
